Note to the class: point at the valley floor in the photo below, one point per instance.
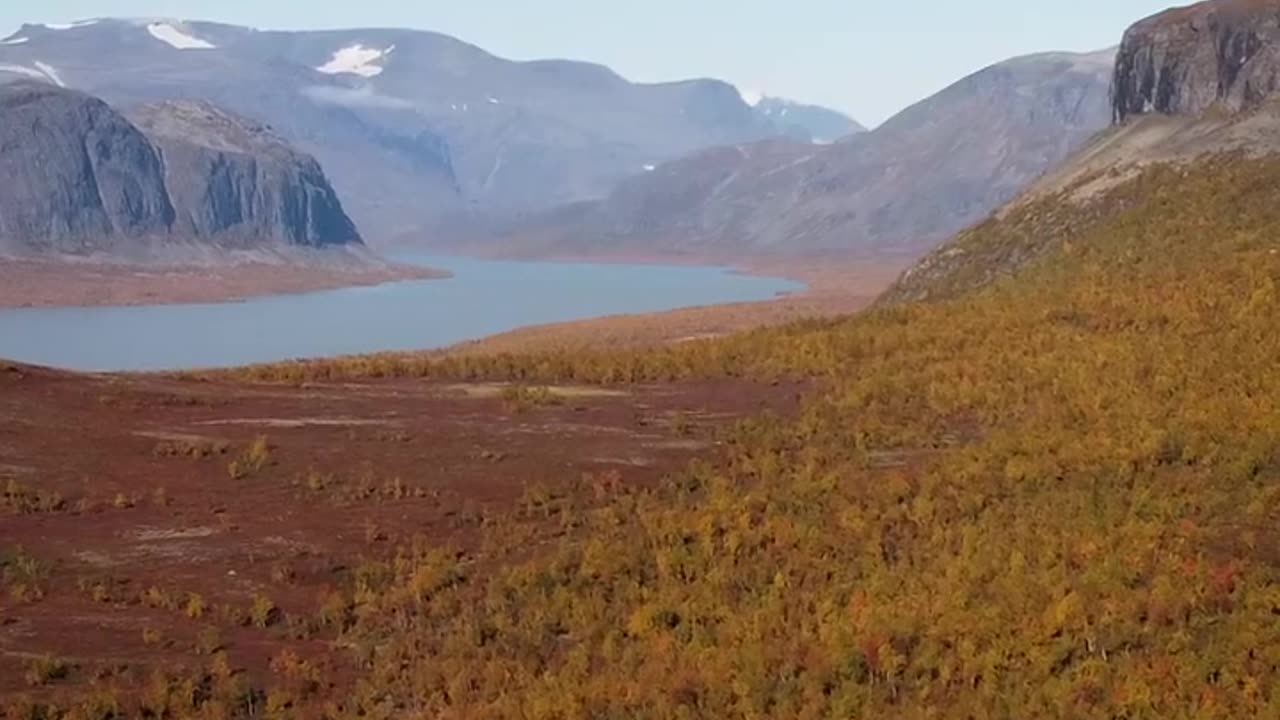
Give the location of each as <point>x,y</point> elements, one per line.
<point>160,522</point>
<point>38,283</point>
<point>153,522</point>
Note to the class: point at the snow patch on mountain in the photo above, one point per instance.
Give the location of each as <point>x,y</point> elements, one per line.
<point>41,71</point>
<point>23,70</point>
<point>172,35</point>
<point>51,73</point>
<point>356,60</point>
<point>71,26</point>
<point>15,41</point>
<point>751,97</point>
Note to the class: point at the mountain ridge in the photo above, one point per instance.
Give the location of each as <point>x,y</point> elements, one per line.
<point>424,135</point>
<point>929,171</point>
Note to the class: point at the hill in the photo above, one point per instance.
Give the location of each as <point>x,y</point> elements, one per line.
<point>1194,87</point>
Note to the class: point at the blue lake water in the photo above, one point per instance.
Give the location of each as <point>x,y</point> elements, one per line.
<point>482,298</point>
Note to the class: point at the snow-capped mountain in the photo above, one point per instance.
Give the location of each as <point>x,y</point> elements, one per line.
<point>422,134</point>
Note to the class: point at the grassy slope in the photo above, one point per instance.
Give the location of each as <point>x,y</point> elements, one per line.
<point>1056,496</point>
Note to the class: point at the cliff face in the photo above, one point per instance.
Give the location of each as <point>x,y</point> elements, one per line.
<point>82,178</point>
<point>238,182</point>
<point>1186,60</point>
<point>75,172</point>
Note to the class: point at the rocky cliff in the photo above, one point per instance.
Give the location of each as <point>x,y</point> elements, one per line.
<point>75,173</point>
<point>1187,60</point>
<point>238,182</point>
<point>82,178</point>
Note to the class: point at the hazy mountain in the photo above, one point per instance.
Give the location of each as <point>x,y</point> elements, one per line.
<point>418,130</point>
<point>900,189</point>
<point>805,122</point>
<point>1191,84</point>
<point>81,178</point>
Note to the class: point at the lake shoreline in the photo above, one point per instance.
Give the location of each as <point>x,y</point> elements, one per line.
<point>485,298</point>
<point>833,287</point>
<point>49,283</point>
<point>38,283</point>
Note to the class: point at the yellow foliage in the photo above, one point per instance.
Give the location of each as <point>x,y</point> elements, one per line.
<point>1050,496</point>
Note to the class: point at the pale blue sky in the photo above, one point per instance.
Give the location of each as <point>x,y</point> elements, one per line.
<point>868,58</point>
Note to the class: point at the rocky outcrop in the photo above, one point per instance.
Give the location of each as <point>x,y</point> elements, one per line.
<point>237,182</point>
<point>76,173</point>
<point>82,178</point>
<point>1187,60</point>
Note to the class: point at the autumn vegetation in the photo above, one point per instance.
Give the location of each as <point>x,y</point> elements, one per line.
<point>1051,493</point>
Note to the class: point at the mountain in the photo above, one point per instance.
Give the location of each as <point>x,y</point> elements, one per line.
<point>75,171</point>
<point>810,123</point>
<point>232,178</point>
<point>423,135</point>
<point>1185,61</point>
<point>82,178</point>
<point>900,189</point>
<point>1192,85</point>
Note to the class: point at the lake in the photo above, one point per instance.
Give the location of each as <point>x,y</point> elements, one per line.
<point>482,298</point>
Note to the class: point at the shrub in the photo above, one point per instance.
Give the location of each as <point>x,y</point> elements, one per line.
<point>522,398</point>
<point>45,670</point>
<point>19,499</point>
<point>196,606</point>
<point>152,636</point>
<point>253,460</point>
<point>25,576</point>
<point>208,641</point>
<point>263,613</point>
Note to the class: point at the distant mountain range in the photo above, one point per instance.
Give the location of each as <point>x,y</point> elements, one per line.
<point>423,135</point>
<point>174,180</point>
<point>900,189</point>
<point>433,142</point>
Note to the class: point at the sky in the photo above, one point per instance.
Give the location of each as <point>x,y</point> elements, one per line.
<point>868,58</point>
